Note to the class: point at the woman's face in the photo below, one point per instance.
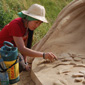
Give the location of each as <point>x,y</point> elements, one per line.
<point>32,25</point>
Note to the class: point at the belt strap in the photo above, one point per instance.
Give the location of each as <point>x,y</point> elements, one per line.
<point>4,70</point>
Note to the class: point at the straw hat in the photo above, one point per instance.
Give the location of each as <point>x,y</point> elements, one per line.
<point>36,11</point>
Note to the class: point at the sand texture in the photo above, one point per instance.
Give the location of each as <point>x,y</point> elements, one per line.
<point>25,79</point>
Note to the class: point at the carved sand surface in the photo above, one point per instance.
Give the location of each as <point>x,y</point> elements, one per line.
<point>66,39</point>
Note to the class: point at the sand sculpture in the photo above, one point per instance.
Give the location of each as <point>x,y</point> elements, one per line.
<point>66,39</point>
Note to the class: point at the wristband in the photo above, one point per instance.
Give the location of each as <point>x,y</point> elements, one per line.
<point>43,55</point>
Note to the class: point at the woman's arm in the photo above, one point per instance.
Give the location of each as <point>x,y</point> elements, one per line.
<point>24,50</point>
<point>28,52</point>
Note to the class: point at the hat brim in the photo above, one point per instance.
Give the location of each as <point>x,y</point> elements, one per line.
<point>36,17</point>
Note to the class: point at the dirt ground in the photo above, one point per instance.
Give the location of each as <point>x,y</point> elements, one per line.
<point>25,79</point>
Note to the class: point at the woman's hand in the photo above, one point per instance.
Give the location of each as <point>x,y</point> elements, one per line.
<point>50,56</point>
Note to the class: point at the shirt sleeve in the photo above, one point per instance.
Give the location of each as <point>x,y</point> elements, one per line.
<point>15,29</point>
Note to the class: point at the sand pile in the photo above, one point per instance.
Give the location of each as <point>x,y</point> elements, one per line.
<point>66,39</point>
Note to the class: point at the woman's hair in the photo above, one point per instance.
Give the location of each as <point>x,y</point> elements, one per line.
<point>30,32</point>
<point>30,35</point>
<point>30,38</point>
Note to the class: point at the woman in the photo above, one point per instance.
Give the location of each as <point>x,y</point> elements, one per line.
<point>20,31</point>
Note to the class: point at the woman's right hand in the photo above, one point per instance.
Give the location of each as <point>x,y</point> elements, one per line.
<point>50,56</point>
